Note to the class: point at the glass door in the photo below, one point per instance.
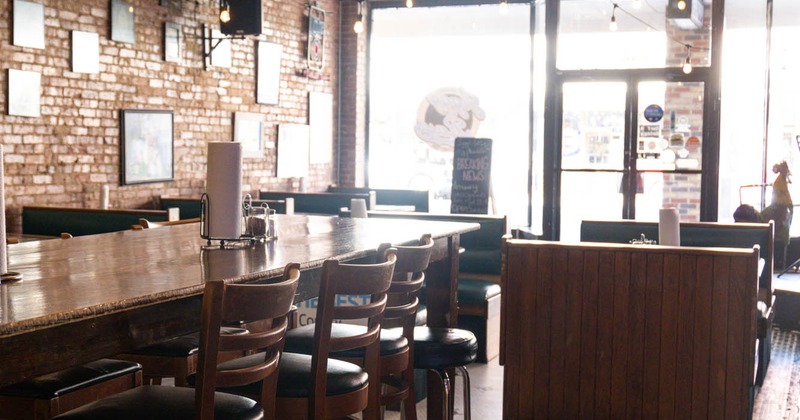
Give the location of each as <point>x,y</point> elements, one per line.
<point>629,148</point>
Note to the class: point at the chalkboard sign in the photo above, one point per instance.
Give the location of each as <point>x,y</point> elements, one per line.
<point>472,168</point>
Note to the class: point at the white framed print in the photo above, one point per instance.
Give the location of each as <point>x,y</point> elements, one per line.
<point>123,27</point>
<point>172,42</point>
<point>85,52</point>
<point>268,73</point>
<point>28,24</point>
<point>248,129</point>
<point>292,151</point>
<point>24,93</point>
<point>320,118</point>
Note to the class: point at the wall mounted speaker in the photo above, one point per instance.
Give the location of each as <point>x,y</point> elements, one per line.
<point>246,16</point>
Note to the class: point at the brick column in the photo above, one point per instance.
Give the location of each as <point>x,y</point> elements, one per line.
<point>352,100</point>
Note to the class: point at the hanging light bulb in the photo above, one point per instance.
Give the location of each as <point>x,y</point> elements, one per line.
<point>409,3</point>
<point>503,7</point>
<point>613,25</point>
<point>224,12</point>
<point>687,64</point>
<point>681,4</point>
<point>358,27</point>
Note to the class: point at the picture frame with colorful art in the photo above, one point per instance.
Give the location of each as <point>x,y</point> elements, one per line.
<point>146,146</point>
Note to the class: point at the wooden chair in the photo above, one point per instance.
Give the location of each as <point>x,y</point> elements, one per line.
<point>267,303</point>
<point>317,386</point>
<point>396,344</point>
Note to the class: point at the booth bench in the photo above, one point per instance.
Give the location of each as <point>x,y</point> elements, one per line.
<point>53,221</point>
<point>709,234</point>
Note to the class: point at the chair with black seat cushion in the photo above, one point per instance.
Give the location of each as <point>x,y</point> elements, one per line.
<point>49,395</point>
<point>266,305</point>
<point>316,385</point>
<point>397,370</point>
<point>441,350</point>
<point>174,358</point>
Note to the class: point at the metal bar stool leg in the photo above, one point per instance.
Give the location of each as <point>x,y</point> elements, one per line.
<point>467,404</point>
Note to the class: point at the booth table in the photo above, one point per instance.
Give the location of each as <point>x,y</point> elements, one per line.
<point>95,296</point>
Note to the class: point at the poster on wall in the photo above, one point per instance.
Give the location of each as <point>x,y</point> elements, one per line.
<point>320,118</point>
<point>316,38</point>
<point>292,151</point>
<point>122,22</point>
<point>248,129</point>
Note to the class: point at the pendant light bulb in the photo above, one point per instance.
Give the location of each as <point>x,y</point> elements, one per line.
<point>225,15</point>
<point>687,64</point>
<point>613,25</point>
<point>681,4</point>
<point>409,3</point>
<point>358,27</point>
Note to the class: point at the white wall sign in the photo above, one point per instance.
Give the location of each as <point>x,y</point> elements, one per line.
<point>320,116</point>
<point>293,150</point>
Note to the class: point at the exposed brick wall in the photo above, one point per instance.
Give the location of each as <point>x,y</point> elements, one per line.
<point>65,156</point>
<point>352,147</point>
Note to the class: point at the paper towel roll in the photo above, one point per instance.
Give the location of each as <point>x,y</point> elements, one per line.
<point>3,243</point>
<point>224,189</point>
<point>669,227</point>
<point>104,197</point>
<point>358,208</point>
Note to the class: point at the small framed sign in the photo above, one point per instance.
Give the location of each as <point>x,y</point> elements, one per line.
<point>146,141</point>
<point>316,38</point>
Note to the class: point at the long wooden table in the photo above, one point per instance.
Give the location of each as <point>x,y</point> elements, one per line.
<point>95,296</point>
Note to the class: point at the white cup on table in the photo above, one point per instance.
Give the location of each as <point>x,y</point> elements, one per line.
<point>358,208</point>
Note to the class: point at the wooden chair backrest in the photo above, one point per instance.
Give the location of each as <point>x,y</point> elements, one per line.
<point>348,279</point>
<point>257,304</point>
<point>407,281</point>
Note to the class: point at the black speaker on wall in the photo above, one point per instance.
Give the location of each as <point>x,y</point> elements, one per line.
<point>245,15</point>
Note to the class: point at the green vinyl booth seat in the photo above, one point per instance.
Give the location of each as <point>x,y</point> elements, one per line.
<point>52,221</point>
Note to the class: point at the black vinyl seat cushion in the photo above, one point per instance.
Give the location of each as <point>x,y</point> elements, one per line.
<point>163,402</point>
<point>183,346</point>
<point>301,340</point>
<point>294,376</point>
<point>443,348</point>
<point>475,291</point>
<point>69,380</point>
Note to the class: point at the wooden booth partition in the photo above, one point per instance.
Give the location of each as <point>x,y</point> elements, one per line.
<point>628,331</point>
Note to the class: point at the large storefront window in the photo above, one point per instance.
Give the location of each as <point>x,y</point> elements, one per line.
<point>437,74</point>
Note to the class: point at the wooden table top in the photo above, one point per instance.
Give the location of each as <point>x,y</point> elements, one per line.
<point>84,277</point>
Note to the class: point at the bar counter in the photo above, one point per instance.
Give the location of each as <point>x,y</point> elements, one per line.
<point>95,296</point>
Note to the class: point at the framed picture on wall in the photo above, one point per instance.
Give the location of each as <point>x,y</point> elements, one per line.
<point>24,93</point>
<point>172,42</point>
<point>146,146</point>
<point>85,52</point>
<point>122,23</point>
<point>268,73</point>
<point>28,24</point>
<point>172,4</point>
<point>248,129</point>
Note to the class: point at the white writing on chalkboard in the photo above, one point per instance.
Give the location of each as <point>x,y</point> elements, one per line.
<point>472,164</point>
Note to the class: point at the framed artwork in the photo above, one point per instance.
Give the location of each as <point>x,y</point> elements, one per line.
<point>24,93</point>
<point>292,151</point>
<point>28,24</point>
<point>172,4</point>
<point>122,23</point>
<point>316,38</point>
<point>248,129</point>
<point>268,73</point>
<point>172,42</point>
<point>85,52</point>
<point>221,49</point>
<point>320,120</point>
<point>146,142</point>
